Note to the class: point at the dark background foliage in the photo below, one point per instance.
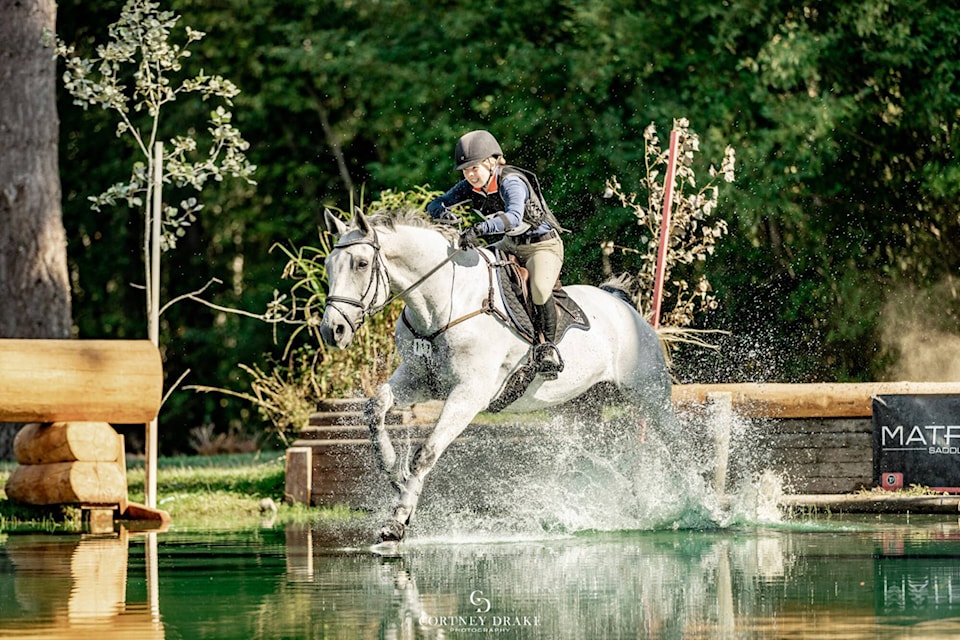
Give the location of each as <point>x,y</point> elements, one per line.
<point>843,115</point>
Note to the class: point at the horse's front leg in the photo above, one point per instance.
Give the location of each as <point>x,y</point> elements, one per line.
<point>374,415</point>
<point>460,408</point>
<point>398,389</point>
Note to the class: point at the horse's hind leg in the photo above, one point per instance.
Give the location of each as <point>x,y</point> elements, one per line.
<point>648,388</point>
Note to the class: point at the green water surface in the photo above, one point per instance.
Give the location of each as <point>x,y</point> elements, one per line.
<point>891,577</point>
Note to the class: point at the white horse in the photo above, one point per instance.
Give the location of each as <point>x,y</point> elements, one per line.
<point>454,348</point>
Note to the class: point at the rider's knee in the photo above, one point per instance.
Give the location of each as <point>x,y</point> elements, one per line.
<point>541,296</point>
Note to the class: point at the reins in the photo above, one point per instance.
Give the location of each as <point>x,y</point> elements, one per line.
<point>487,306</point>
<point>380,275</point>
<point>421,280</point>
<point>376,277</point>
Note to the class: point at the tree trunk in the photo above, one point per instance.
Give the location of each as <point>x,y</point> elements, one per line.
<point>34,283</point>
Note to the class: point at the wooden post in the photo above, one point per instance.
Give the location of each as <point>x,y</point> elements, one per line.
<point>152,561</point>
<point>153,311</point>
<point>299,554</point>
<point>661,265</point>
<point>720,411</point>
<point>98,520</point>
<point>299,475</point>
<point>122,463</point>
<point>727,620</point>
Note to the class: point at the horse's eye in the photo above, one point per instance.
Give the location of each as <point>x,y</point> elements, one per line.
<point>362,264</point>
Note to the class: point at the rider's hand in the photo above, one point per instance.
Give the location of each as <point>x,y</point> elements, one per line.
<point>470,238</point>
<point>446,216</point>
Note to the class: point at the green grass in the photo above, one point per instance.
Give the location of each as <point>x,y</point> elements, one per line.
<point>199,492</point>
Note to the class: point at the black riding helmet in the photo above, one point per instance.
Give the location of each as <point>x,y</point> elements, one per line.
<point>475,147</point>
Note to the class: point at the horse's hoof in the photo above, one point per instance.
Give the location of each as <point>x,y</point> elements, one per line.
<point>392,531</point>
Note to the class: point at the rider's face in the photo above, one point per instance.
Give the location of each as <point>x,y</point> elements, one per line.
<point>478,175</point>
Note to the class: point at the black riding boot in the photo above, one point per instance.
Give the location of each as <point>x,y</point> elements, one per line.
<point>548,356</point>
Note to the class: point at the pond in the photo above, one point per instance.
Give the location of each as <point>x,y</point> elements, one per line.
<point>867,577</point>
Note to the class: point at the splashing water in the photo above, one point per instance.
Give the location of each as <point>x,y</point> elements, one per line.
<point>569,475</point>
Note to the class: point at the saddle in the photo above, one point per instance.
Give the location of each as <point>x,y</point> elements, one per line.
<point>514,282</point>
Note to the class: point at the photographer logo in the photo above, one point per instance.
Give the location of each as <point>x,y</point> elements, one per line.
<point>480,620</point>
<point>482,604</point>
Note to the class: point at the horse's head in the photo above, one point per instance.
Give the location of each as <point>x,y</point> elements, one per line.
<point>357,279</point>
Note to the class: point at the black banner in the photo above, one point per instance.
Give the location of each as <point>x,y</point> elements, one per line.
<point>916,441</point>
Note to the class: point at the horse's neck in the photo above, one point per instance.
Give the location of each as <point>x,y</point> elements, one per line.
<point>452,291</point>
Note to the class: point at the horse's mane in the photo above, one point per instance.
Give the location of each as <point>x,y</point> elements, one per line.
<point>411,217</point>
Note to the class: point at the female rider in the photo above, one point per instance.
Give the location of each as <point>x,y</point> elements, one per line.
<point>511,203</point>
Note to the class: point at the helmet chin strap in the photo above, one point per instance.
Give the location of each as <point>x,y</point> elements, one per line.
<point>490,178</point>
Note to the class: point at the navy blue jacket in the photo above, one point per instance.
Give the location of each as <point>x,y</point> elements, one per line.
<point>503,207</point>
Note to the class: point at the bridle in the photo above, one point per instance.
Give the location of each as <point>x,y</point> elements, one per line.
<point>378,279</point>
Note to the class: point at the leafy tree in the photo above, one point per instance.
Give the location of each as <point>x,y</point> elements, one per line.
<point>134,75</point>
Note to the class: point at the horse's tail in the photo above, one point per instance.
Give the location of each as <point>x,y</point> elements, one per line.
<point>619,287</point>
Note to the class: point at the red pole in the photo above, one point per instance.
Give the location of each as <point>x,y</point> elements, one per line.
<point>665,227</point>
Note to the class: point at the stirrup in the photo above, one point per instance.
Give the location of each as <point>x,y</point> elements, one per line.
<point>549,362</point>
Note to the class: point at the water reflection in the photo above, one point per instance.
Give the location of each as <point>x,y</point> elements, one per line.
<point>766,583</point>
<point>665,585</point>
<point>850,579</point>
<point>72,586</point>
<point>833,579</point>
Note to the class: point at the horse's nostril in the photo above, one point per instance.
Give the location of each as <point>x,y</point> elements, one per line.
<point>339,330</point>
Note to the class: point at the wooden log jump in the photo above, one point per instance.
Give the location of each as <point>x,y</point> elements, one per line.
<point>69,463</point>
<point>117,381</point>
<point>68,391</point>
<point>817,400</point>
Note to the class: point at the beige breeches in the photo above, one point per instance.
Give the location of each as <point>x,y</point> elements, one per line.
<point>543,260</point>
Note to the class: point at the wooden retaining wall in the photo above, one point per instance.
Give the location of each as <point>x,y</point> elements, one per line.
<point>818,437</point>
<point>815,455</point>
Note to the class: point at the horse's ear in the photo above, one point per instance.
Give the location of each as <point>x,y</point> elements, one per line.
<point>362,222</point>
<point>333,224</point>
